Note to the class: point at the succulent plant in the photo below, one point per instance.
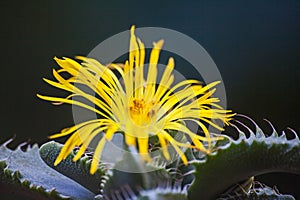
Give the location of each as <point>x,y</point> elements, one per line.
<point>227,173</point>
<point>170,161</point>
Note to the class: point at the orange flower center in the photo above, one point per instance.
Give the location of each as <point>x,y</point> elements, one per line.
<point>141,112</point>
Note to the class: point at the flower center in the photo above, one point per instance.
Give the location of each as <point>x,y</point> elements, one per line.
<point>141,112</point>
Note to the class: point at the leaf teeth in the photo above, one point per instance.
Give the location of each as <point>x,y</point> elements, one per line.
<point>7,142</point>
<point>242,136</point>
<point>260,192</point>
<point>127,185</point>
<point>246,127</point>
<point>247,155</point>
<point>17,175</point>
<point>25,182</point>
<point>157,162</point>
<point>274,134</point>
<point>259,135</point>
<point>3,164</point>
<point>296,138</point>
<point>26,169</point>
<point>248,118</point>
<point>283,136</point>
<point>20,146</point>
<point>103,181</point>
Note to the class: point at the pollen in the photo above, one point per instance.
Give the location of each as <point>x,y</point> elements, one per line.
<point>142,113</point>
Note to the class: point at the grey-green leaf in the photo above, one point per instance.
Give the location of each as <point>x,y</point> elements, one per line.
<point>238,160</point>
<point>27,174</point>
<point>78,171</point>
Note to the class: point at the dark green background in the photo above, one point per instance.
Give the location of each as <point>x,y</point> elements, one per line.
<point>255,44</point>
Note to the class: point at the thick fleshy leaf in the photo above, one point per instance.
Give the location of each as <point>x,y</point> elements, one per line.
<point>237,160</point>
<point>78,171</point>
<point>127,184</point>
<point>25,175</point>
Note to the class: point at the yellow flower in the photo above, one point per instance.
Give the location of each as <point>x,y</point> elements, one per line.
<point>136,106</point>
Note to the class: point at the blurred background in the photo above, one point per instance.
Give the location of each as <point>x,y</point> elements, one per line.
<point>255,44</point>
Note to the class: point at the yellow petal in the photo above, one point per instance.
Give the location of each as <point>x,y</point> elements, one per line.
<point>129,139</point>
<point>57,99</point>
<point>143,148</point>
<point>96,156</point>
<point>152,71</point>
<point>87,142</point>
<point>67,148</point>
<point>163,145</point>
<point>175,146</point>
<point>165,82</point>
<point>110,132</point>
